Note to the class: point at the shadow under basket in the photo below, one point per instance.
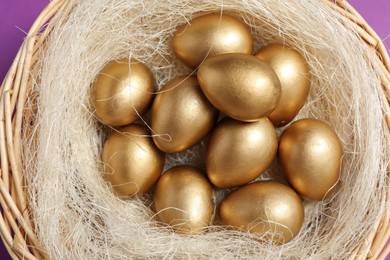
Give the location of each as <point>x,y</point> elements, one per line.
<point>17,224</point>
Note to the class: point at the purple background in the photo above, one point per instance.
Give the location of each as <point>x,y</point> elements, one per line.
<point>16,17</point>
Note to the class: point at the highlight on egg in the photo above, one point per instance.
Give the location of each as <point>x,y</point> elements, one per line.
<point>209,35</point>
<point>310,153</point>
<point>123,91</point>
<point>294,75</point>
<point>181,115</point>
<point>132,162</point>
<point>239,152</point>
<point>270,209</point>
<point>183,199</point>
<point>240,85</point>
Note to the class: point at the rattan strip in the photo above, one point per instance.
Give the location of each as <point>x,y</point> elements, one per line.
<point>16,218</point>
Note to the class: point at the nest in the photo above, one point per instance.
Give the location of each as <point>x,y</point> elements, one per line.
<point>58,206</point>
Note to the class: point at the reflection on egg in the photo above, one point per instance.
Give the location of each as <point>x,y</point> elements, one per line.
<point>270,209</point>
<point>239,152</point>
<point>132,161</point>
<point>184,199</point>
<point>294,76</point>
<point>123,91</point>
<point>210,35</point>
<point>181,115</point>
<point>310,153</point>
<point>240,85</point>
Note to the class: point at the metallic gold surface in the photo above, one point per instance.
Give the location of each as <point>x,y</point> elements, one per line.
<point>210,35</point>
<point>268,208</point>
<point>239,152</point>
<point>184,199</point>
<point>310,153</point>
<point>181,115</point>
<point>132,161</point>
<point>294,76</point>
<point>121,89</point>
<point>240,85</point>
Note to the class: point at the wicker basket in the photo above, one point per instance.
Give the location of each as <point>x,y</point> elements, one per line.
<point>16,223</point>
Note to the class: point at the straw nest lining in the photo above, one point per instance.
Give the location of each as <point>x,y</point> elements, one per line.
<point>75,214</point>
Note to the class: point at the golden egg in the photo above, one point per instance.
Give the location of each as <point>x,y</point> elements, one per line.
<point>270,209</point>
<point>240,85</point>
<point>294,76</point>
<point>310,153</point>
<point>122,91</point>
<point>184,199</point>
<point>132,161</point>
<point>210,35</point>
<point>181,115</point>
<point>239,152</point>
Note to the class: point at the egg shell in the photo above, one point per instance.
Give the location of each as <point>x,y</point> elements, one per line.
<point>181,115</point>
<point>270,209</point>
<point>294,75</point>
<point>132,161</point>
<point>310,153</point>
<point>183,198</point>
<point>240,85</point>
<point>210,35</point>
<point>239,152</point>
<point>122,91</point>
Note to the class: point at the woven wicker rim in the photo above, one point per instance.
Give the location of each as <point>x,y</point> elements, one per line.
<point>16,223</point>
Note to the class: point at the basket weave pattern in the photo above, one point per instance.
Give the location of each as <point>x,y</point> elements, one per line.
<point>16,220</point>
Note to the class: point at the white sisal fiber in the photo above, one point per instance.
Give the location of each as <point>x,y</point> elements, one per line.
<point>76,216</point>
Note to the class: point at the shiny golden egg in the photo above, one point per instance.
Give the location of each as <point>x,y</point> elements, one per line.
<point>123,91</point>
<point>310,153</point>
<point>270,209</point>
<point>294,75</point>
<point>132,161</point>
<point>184,199</point>
<point>210,35</point>
<point>239,152</point>
<point>240,85</point>
<point>181,115</point>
